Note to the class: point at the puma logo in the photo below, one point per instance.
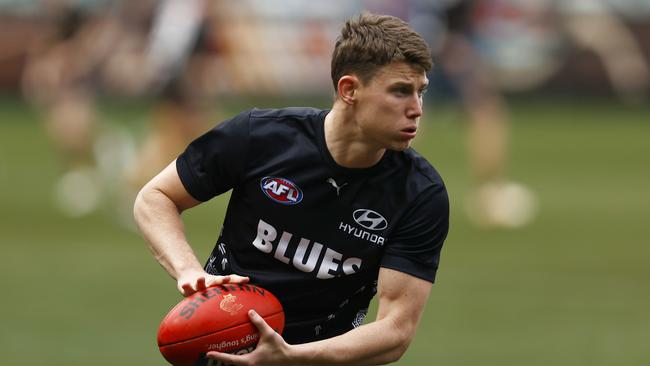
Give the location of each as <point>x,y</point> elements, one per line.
<point>335,185</point>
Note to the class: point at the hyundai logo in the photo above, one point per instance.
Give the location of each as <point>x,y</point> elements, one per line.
<point>369,219</point>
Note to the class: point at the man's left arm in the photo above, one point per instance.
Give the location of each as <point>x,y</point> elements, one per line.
<point>401,300</point>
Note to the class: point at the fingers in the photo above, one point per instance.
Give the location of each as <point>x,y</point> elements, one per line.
<point>200,284</point>
<point>217,280</point>
<point>190,284</point>
<point>220,280</point>
<point>237,279</point>
<point>271,348</point>
<point>227,358</point>
<point>186,289</point>
<point>259,323</point>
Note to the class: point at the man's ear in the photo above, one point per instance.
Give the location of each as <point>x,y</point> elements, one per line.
<point>347,88</point>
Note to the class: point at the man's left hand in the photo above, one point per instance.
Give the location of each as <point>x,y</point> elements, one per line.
<point>271,348</point>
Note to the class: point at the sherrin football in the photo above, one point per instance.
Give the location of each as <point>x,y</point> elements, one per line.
<point>216,319</point>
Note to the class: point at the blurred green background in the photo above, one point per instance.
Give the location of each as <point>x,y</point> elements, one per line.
<point>572,288</point>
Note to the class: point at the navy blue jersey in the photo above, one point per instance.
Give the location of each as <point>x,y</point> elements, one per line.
<point>310,231</point>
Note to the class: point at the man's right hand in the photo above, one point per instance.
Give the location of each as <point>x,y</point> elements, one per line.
<point>195,281</point>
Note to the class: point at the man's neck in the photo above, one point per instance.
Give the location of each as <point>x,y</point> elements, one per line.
<point>345,141</point>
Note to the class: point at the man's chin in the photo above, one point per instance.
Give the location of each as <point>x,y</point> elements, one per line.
<point>402,146</point>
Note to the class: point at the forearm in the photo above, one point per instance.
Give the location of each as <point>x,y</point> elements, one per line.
<point>401,301</point>
<point>376,343</point>
<point>161,225</point>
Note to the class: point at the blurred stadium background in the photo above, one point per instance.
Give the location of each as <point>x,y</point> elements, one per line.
<point>95,95</point>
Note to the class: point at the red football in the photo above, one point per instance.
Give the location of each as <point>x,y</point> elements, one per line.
<point>216,319</point>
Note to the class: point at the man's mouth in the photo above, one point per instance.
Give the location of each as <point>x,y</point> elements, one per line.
<point>409,132</point>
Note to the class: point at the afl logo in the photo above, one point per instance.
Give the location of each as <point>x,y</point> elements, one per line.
<point>370,219</point>
<point>281,190</point>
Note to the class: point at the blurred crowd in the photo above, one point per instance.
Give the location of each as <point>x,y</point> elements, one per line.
<point>64,55</point>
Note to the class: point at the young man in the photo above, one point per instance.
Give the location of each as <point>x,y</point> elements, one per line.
<point>327,209</point>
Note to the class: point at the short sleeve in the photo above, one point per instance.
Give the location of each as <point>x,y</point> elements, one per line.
<point>415,245</point>
<point>213,163</point>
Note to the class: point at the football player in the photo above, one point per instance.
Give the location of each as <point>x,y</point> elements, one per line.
<point>328,208</point>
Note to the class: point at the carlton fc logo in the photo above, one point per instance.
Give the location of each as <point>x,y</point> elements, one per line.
<point>281,190</point>
<point>369,219</point>
<point>229,304</point>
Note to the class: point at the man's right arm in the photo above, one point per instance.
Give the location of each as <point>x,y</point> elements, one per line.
<point>157,211</point>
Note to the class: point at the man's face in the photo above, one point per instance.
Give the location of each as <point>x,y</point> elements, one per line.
<point>389,106</point>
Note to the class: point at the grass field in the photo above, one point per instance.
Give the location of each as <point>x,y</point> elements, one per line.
<point>571,289</point>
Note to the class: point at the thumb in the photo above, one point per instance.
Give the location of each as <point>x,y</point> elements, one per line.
<point>259,322</point>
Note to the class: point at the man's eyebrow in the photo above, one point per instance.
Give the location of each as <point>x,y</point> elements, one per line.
<point>409,84</point>
<point>402,84</point>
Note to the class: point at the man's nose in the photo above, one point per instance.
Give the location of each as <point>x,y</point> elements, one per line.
<point>415,108</point>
